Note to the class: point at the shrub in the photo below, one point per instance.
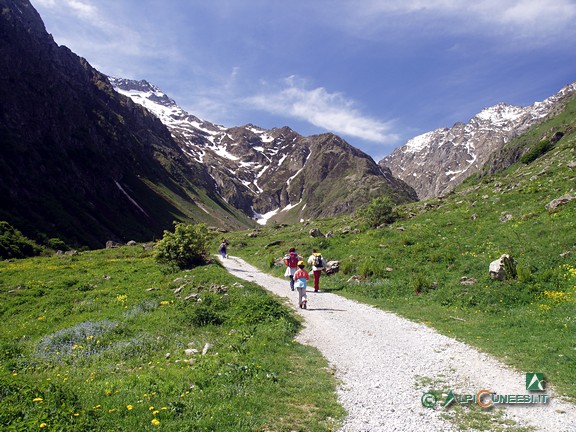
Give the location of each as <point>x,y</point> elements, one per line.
<point>186,247</point>
<point>13,244</point>
<point>538,150</point>
<point>378,212</point>
<point>57,244</point>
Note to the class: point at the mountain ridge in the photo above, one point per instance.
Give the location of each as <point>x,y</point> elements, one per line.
<point>80,162</point>
<point>275,172</point>
<point>435,162</point>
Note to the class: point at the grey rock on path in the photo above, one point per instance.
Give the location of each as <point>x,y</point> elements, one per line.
<point>385,363</point>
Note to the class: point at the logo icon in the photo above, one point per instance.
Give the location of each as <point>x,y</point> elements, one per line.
<point>449,399</point>
<point>535,381</point>
<point>429,400</point>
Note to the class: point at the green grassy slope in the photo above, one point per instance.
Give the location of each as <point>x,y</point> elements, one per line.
<point>416,266</point>
<point>97,342</point>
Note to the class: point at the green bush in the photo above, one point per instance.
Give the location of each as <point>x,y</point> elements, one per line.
<point>13,244</point>
<point>540,149</point>
<point>57,244</point>
<point>186,247</point>
<point>378,212</point>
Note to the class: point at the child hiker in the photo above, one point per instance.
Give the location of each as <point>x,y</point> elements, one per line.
<point>291,261</point>
<point>300,278</point>
<point>223,248</point>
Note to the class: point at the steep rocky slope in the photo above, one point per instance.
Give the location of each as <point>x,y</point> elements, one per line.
<point>81,162</point>
<point>276,173</point>
<point>435,162</point>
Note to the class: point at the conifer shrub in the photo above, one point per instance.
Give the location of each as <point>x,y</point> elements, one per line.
<point>186,247</point>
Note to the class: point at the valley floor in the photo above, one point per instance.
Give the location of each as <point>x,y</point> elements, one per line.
<point>388,366</point>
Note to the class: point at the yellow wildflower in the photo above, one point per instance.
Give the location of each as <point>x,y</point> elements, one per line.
<point>43,425</point>
<point>129,407</point>
<point>38,399</point>
<point>155,422</point>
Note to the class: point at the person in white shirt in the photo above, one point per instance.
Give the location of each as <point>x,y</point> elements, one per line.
<point>318,264</point>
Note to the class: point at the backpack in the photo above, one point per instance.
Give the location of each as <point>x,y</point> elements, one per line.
<point>292,260</point>
<point>318,261</point>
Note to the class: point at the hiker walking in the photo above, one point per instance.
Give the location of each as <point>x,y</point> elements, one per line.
<point>300,282</point>
<point>318,264</point>
<point>291,260</point>
<point>223,248</point>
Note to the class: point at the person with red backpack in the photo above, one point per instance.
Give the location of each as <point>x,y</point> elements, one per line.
<point>291,260</point>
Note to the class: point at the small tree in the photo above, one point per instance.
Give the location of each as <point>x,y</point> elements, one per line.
<point>13,244</point>
<point>186,247</point>
<point>378,212</point>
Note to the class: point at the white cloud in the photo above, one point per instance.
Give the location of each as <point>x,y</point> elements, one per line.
<point>330,111</point>
<point>82,9</point>
<point>536,21</point>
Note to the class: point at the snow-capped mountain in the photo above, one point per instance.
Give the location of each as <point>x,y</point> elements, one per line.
<point>435,162</point>
<point>273,173</point>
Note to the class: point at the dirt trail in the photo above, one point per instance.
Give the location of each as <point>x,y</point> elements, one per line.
<point>386,363</point>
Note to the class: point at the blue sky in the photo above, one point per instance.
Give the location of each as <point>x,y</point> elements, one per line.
<point>376,72</point>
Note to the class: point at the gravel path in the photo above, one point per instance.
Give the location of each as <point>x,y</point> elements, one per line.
<point>385,364</point>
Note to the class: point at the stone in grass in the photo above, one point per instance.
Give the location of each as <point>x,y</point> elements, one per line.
<point>207,346</point>
<point>190,351</point>
<point>503,268</point>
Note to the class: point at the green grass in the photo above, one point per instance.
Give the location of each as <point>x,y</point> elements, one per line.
<point>414,267</point>
<point>97,341</point>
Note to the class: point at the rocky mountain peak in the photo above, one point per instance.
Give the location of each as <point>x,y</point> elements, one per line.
<point>435,162</point>
<point>275,172</point>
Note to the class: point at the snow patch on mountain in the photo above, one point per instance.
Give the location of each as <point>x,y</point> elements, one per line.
<point>435,162</point>
<point>420,142</point>
<point>501,114</point>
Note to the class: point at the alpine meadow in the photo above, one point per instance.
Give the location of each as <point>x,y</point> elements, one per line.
<point>119,315</point>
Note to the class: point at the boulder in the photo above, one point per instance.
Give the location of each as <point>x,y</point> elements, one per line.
<point>464,280</point>
<point>555,203</point>
<point>332,267</point>
<point>503,268</point>
<point>315,232</point>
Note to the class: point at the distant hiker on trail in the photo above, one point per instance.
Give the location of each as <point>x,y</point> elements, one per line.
<point>223,248</point>
<point>291,261</point>
<point>300,278</point>
<point>318,264</point>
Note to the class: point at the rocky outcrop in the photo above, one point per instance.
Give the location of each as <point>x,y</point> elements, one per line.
<point>555,203</point>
